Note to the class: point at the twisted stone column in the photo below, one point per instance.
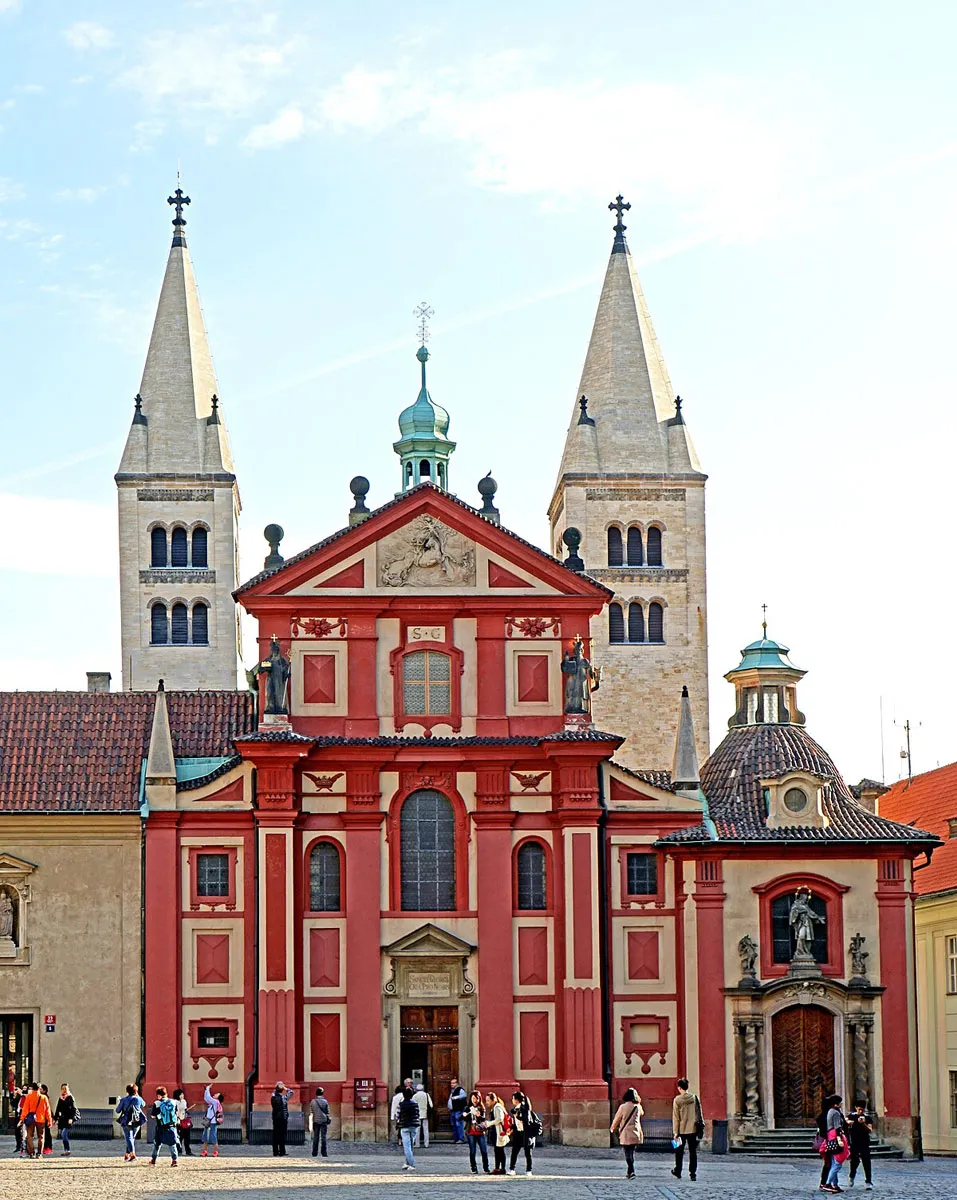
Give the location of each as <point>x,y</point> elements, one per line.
<point>752,1097</point>
<point>861,1074</point>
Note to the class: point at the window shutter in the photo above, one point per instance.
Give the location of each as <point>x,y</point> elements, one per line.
<point>654,546</point>
<point>158,547</point>
<point>635,558</point>
<point>636,623</point>
<point>180,624</point>
<point>200,624</point>
<point>200,543</point>
<point>616,556</point>
<point>179,556</point>
<point>616,623</point>
<point>656,623</point>
<point>159,625</point>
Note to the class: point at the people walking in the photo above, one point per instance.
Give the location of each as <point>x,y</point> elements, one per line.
<point>65,1115</point>
<point>16,1101</point>
<point>458,1102</point>
<point>212,1119</point>
<point>861,1129</point>
<point>499,1129</point>
<point>36,1117</point>
<point>397,1097</point>
<point>476,1129</point>
<point>321,1120</point>
<point>407,1118</point>
<point>130,1112</point>
<point>279,1102</point>
<point>163,1112</point>
<point>424,1101</point>
<point>687,1124</point>
<point>627,1124</point>
<point>523,1137</point>
<point>184,1122</point>
<point>48,1128</point>
<point>836,1147</point>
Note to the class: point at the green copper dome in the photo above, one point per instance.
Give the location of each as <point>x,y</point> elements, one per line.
<point>765,653</point>
<point>425,416</point>
<point>423,446</point>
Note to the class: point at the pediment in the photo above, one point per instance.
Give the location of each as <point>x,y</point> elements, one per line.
<point>10,865</point>
<point>429,941</point>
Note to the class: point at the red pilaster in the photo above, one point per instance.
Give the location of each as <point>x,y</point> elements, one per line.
<point>580,1061</point>
<point>709,897</point>
<point>493,837</point>
<point>896,1034</point>
<point>278,1033</point>
<point>363,822</point>
<point>363,719</point>
<point>490,642</point>
<point>163,885</point>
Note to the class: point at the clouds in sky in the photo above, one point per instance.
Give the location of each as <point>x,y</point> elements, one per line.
<point>89,35</point>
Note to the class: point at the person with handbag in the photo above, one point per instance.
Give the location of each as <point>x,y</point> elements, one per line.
<point>627,1124</point>
<point>65,1115</point>
<point>687,1124</point>
<point>476,1128</point>
<point>836,1146</point>
<point>36,1116</point>
<point>525,1123</point>
<point>130,1112</point>
<point>499,1129</point>
<point>184,1122</point>
<point>321,1120</point>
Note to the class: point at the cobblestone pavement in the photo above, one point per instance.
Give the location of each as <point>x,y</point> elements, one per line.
<point>96,1171</point>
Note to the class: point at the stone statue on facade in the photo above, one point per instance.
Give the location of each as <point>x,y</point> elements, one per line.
<point>581,679</point>
<point>277,668</point>
<point>748,953</point>
<point>859,957</point>
<point>6,915</point>
<point>802,920</point>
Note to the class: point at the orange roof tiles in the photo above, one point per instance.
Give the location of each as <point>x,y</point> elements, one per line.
<point>929,801</point>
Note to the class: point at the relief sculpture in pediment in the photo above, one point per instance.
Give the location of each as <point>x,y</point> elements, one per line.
<point>426,553</point>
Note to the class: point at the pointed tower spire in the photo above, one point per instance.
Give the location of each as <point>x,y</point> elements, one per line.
<point>685,776</point>
<point>424,448</point>
<point>160,776</point>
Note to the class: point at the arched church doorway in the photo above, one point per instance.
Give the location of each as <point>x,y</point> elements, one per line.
<point>803,1061</point>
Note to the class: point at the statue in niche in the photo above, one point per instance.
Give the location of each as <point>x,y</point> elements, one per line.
<point>277,667</point>
<point>581,679</point>
<point>859,956</point>
<point>748,953</point>
<point>802,920</point>
<point>6,914</point>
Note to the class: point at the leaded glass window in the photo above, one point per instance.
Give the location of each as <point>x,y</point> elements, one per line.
<point>324,885</point>
<point>427,683</point>
<point>212,874</point>
<point>642,871</point>
<point>427,836</point>
<point>531,876</point>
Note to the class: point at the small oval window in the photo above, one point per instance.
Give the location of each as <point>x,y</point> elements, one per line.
<point>795,800</point>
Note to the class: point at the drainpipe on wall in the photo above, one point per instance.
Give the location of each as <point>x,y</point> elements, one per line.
<point>142,1071</point>
<point>604,909</point>
<point>254,1069</point>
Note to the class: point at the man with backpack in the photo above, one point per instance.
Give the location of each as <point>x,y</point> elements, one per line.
<point>687,1125</point>
<point>279,1101</point>
<point>163,1113</point>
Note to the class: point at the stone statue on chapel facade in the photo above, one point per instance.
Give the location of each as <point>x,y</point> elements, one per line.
<point>802,919</point>
<point>581,679</point>
<point>748,954</point>
<point>277,669</point>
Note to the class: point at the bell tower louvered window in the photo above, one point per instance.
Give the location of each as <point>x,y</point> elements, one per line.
<point>158,550</point>
<point>616,554</point>
<point>616,623</point>
<point>200,542</point>
<point>656,623</point>
<point>180,624</point>
<point>159,625</point>
<point>636,623</point>
<point>179,556</point>
<point>635,556</point>
<point>200,624</point>
<point>654,546</point>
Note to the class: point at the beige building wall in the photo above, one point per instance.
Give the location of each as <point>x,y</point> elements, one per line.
<point>936,924</point>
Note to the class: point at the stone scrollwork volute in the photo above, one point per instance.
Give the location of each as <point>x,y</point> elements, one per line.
<point>468,987</point>
<point>391,986</point>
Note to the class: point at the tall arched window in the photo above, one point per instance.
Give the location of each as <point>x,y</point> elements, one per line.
<point>158,547</point>
<point>654,546</point>
<point>427,852</point>
<point>635,557</point>
<point>200,544</point>
<point>200,624</point>
<point>427,683</point>
<point>616,554</point>
<point>324,882</point>
<point>532,883</point>
<point>425,469</point>
<point>180,625</point>
<point>656,623</point>
<point>159,625</point>
<point>616,623</point>
<point>636,623</point>
<point>179,555</point>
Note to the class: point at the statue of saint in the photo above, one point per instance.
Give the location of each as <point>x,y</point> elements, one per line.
<point>802,920</point>
<point>276,666</point>
<point>748,953</point>
<point>6,915</point>
<point>581,679</point>
<point>859,956</point>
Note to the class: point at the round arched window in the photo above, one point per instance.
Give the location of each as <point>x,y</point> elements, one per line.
<point>427,852</point>
<point>795,800</point>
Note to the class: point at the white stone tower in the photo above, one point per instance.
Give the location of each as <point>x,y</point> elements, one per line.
<point>629,481</point>
<point>178,504</point>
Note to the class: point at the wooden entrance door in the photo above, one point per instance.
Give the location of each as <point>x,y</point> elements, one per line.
<point>803,1055</point>
<point>430,1042</point>
<point>16,1056</point>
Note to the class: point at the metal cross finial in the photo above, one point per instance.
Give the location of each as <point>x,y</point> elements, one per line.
<point>424,313</point>
<point>764,623</point>
<point>619,205</point>
<point>178,200</point>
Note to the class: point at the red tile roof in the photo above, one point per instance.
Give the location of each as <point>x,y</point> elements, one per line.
<point>929,801</point>
<point>82,751</point>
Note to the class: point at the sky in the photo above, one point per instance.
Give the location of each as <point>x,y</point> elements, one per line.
<point>792,174</point>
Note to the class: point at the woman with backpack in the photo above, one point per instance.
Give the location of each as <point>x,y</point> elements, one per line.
<point>212,1120</point>
<point>65,1114</point>
<point>499,1129</point>
<point>526,1128</point>
<point>130,1112</point>
<point>627,1124</point>
<point>476,1128</point>
<point>163,1113</point>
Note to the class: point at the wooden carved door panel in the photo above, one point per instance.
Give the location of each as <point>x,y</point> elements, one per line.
<point>803,1055</point>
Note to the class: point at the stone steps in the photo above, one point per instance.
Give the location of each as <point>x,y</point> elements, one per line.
<point>798,1143</point>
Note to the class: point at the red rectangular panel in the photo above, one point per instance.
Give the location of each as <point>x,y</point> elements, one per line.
<point>319,678</point>
<point>643,954</point>
<point>533,678</point>
<point>324,958</point>
<point>324,1042</point>
<point>582,890</point>
<point>533,1041</point>
<point>275,889</point>
<point>212,958</point>
<point>532,956</point>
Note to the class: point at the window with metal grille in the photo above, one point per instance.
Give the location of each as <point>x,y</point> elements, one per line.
<point>159,625</point>
<point>635,555</point>
<point>616,623</point>
<point>952,966</point>
<point>158,547</point>
<point>427,852</point>
<point>200,546</point>
<point>179,553</point>
<point>427,683</point>
<point>324,885</point>
<point>953,1099</point>
<point>616,553</point>
<point>532,889</point>
<point>636,623</point>
<point>200,624</point>
<point>212,1037</point>
<point>212,874</point>
<point>180,624</point>
<point>642,874</point>
<point>653,542</point>
<point>782,934</point>
<point>656,623</point>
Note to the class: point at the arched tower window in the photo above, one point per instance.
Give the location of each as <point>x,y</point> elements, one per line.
<point>616,553</point>
<point>159,625</point>
<point>656,623</point>
<point>200,544</point>
<point>425,469</point>
<point>158,548</point>
<point>179,554</point>
<point>427,852</point>
<point>180,624</point>
<point>654,546</point>
<point>200,624</point>
<point>616,623</point>
<point>636,623</point>
<point>532,882</point>
<point>635,556</point>
<point>324,879</point>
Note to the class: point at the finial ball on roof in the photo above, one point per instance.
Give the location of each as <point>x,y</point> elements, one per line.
<point>359,486</point>
<point>487,486</point>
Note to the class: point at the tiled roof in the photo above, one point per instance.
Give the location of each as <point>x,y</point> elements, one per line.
<point>731,780</point>
<point>930,802</point>
<point>658,779</point>
<point>82,751</point>
<point>288,735</point>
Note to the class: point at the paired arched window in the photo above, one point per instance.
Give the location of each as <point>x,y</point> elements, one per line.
<point>200,546</point>
<point>178,626</point>
<point>656,623</point>
<point>635,556</point>
<point>616,623</point>
<point>427,852</point>
<point>636,623</point>
<point>630,550</point>
<point>178,548</point>
<point>158,547</point>
<point>637,629</point>
<point>532,878</point>
<point>654,546</point>
<point>325,883</point>
<point>616,552</point>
